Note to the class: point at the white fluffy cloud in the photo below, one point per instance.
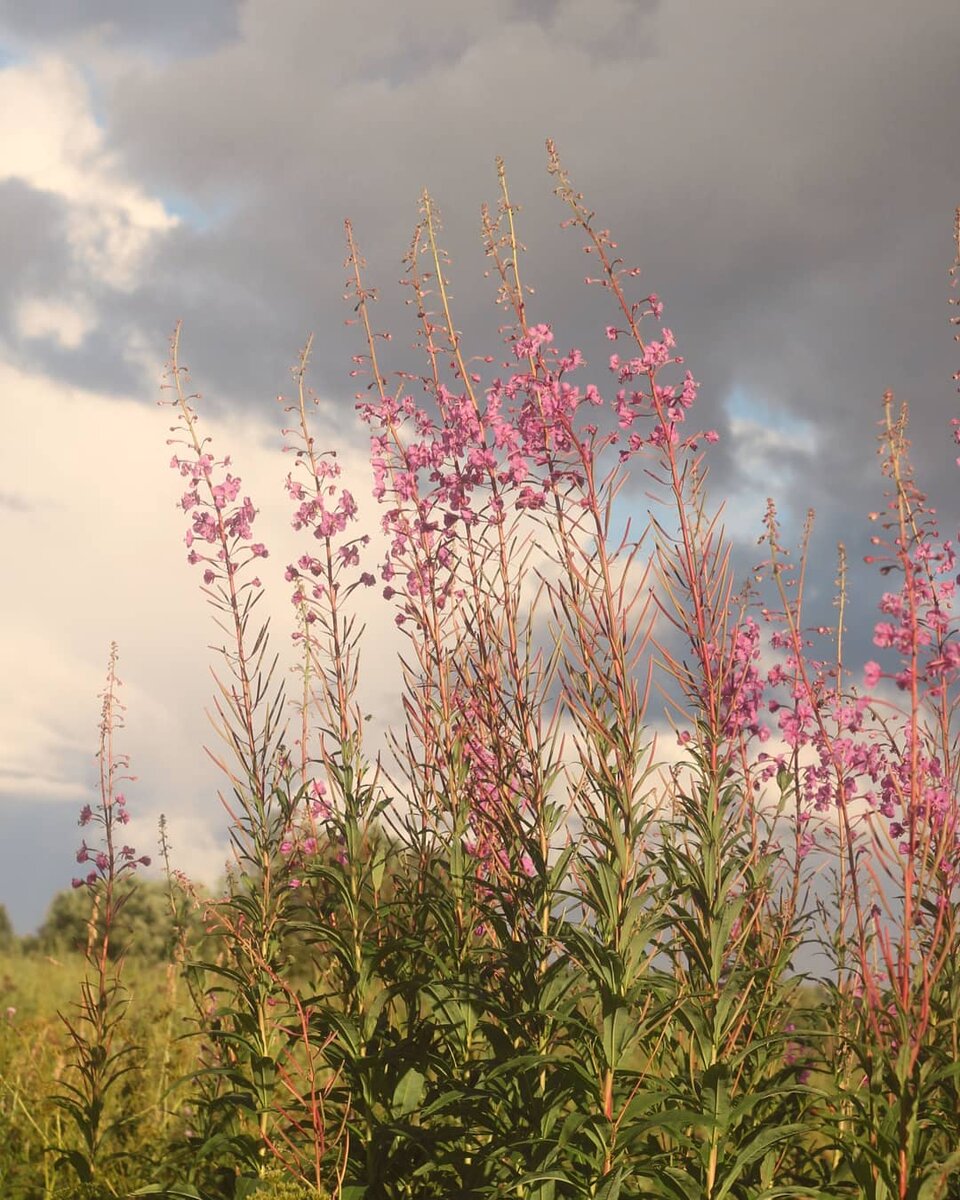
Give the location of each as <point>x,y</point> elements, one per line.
<point>56,145</point>
<point>64,323</point>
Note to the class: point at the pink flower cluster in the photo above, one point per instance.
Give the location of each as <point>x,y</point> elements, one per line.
<point>497,792</point>
<point>841,751</point>
<point>108,861</point>
<point>218,518</point>
<point>300,842</point>
<point>840,756</point>
<point>668,403</point>
<point>327,511</point>
<point>515,447</point>
<point>921,625</point>
<point>742,686</point>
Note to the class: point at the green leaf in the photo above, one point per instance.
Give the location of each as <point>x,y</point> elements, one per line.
<point>408,1093</point>
<point>610,1185</point>
<point>175,1192</point>
<point>79,1163</point>
<point>935,1184</point>
<point>755,1149</point>
<point>615,1031</point>
<point>672,1182</point>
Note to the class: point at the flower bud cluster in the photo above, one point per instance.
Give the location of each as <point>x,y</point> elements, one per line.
<point>108,861</point>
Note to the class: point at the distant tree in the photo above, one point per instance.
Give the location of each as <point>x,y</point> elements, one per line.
<point>144,928</point>
<point>8,939</point>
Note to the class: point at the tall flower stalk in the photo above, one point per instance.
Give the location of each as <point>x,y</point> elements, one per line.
<point>250,723</point>
<point>102,1054</point>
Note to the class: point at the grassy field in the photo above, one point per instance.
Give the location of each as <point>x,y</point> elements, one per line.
<point>35,1058</point>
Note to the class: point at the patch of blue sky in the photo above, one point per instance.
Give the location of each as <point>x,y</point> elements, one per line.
<point>746,408</point>
<point>765,443</point>
<point>197,216</point>
<point>97,107</point>
<point>9,57</point>
<point>630,515</point>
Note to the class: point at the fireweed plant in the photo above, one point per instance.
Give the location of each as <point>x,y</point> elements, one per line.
<point>92,1093</point>
<point>531,950</point>
<point>241,1034</point>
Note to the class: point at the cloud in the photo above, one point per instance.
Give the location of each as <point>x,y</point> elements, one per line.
<point>12,502</point>
<point>57,148</point>
<point>67,324</point>
<point>32,244</point>
<point>178,26</point>
<point>776,451</point>
<point>767,225</point>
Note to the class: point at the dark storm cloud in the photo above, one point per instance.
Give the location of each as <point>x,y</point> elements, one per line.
<point>33,249</point>
<point>32,878</point>
<point>174,27</point>
<point>96,365</point>
<point>784,177</point>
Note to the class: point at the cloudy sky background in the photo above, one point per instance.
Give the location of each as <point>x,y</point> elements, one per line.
<point>786,176</point>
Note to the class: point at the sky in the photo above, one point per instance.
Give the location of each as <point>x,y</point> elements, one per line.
<point>785,175</point>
